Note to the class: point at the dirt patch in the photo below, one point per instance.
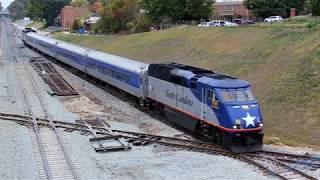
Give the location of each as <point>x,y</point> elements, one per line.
<point>86,108</point>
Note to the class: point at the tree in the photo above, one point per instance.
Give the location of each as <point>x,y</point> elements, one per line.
<point>117,14</point>
<point>35,9</point>
<point>95,5</point>
<point>266,8</point>
<point>17,9</point>
<point>45,9</point>
<point>77,24</point>
<point>141,24</point>
<point>52,9</point>
<point>315,7</point>
<point>79,3</point>
<point>177,10</point>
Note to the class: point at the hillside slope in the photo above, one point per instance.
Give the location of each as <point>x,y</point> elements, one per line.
<point>282,63</point>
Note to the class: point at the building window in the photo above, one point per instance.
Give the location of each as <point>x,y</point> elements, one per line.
<point>229,7</point>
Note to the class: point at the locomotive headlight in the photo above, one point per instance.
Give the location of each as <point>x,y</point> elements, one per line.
<point>261,125</point>
<point>235,127</point>
<point>238,122</point>
<point>245,107</point>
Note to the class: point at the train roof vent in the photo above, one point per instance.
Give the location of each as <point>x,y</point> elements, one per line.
<point>219,76</point>
<point>195,78</point>
<point>194,70</point>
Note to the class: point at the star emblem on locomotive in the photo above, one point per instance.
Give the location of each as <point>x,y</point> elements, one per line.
<point>249,120</point>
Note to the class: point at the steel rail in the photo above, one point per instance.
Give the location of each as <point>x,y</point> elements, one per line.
<point>292,169</point>
<point>102,124</point>
<point>57,133</point>
<point>193,147</point>
<point>35,124</point>
<point>280,174</point>
<point>157,136</point>
<point>35,128</point>
<point>280,154</point>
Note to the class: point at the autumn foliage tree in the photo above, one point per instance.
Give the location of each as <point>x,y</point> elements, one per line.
<point>177,10</point>
<point>79,3</point>
<point>77,24</point>
<point>95,6</point>
<point>116,15</point>
<point>266,8</point>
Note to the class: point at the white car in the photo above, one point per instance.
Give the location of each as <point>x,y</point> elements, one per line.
<point>273,19</point>
<point>230,24</point>
<point>205,24</point>
<point>218,23</point>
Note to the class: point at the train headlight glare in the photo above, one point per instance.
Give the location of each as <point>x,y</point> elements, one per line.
<point>245,107</point>
<point>261,125</point>
<point>234,127</point>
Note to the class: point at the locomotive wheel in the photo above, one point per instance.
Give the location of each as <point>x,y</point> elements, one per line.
<point>209,132</point>
<point>158,109</point>
<point>205,130</point>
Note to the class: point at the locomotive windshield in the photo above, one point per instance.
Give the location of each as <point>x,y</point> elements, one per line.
<point>237,95</point>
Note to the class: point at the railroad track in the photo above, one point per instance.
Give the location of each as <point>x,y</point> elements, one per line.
<point>310,161</point>
<point>266,160</point>
<point>53,160</point>
<point>59,86</point>
<point>276,167</point>
<point>172,141</point>
<point>273,163</point>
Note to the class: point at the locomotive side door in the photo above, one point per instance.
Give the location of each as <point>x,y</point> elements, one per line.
<point>143,81</point>
<point>210,103</point>
<point>204,103</point>
<point>177,95</point>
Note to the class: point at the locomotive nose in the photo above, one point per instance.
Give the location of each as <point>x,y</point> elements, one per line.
<point>246,116</point>
<point>246,120</point>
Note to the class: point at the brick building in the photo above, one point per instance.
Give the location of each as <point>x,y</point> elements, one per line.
<point>69,14</point>
<point>230,9</point>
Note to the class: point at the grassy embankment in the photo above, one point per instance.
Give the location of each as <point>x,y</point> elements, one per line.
<point>36,25</point>
<point>282,63</point>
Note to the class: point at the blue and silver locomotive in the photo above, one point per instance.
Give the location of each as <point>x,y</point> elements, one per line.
<point>219,107</point>
<point>216,106</point>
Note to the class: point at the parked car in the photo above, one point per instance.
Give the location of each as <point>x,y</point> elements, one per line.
<point>273,19</point>
<point>218,23</point>
<point>205,24</point>
<point>230,24</point>
<point>243,21</point>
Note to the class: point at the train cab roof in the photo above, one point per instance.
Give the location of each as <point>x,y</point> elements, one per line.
<point>190,73</point>
<point>26,30</point>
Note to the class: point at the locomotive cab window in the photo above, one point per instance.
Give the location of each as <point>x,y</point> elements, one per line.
<point>213,98</point>
<point>237,95</point>
<point>210,94</point>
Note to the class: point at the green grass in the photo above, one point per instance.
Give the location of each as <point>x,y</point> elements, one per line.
<point>298,21</point>
<point>281,62</point>
<point>36,25</point>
